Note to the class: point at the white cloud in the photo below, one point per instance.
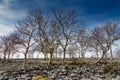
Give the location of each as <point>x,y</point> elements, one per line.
<point>7,12</point>
<point>8,16</point>
<point>5,30</point>
<point>4,9</point>
<point>7,1</point>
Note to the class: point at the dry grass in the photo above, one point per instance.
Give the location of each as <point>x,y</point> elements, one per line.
<point>39,78</point>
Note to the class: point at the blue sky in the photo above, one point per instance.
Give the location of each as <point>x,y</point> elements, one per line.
<point>93,11</point>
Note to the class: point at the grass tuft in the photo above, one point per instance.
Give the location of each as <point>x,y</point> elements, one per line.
<point>39,78</point>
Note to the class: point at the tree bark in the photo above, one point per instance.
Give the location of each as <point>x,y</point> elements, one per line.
<point>50,59</point>
<point>96,53</point>
<point>83,58</point>
<point>111,54</point>
<point>83,54</point>
<point>79,55</point>
<point>101,57</point>
<point>25,59</point>
<point>51,55</point>
<point>64,55</point>
<point>4,58</point>
<point>8,56</point>
<point>45,54</point>
<point>56,56</point>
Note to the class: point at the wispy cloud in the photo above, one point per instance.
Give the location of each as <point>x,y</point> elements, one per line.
<point>8,16</point>
<point>5,30</point>
<point>5,10</point>
<point>13,10</point>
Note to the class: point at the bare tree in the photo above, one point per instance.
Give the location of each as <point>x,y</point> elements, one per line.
<point>8,45</point>
<point>4,46</point>
<point>99,35</point>
<point>111,29</point>
<point>15,41</point>
<point>46,33</point>
<point>83,41</point>
<point>103,37</point>
<point>39,49</point>
<point>67,22</point>
<point>94,44</point>
<point>71,51</point>
<point>26,29</point>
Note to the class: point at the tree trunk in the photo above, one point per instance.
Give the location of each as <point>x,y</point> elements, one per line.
<point>83,58</point>
<point>45,54</point>
<point>96,53</point>
<point>50,59</point>
<point>101,57</point>
<point>8,56</point>
<point>79,55</point>
<point>56,56</point>
<point>24,63</point>
<point>64,55</point>
<point>4,58</point>
<point>25,58</point>
<point>111,54</point>
<point>83,54</point>
<point>51,55</point>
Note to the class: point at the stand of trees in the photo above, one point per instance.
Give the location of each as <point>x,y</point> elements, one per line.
<point>59,33</point>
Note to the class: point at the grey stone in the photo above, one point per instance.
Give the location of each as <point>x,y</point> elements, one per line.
<point>4,78</point>
<point>28,78</point>
<point>73,75</point>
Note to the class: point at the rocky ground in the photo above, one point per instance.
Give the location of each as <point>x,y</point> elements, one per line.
<point>102,71</point>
